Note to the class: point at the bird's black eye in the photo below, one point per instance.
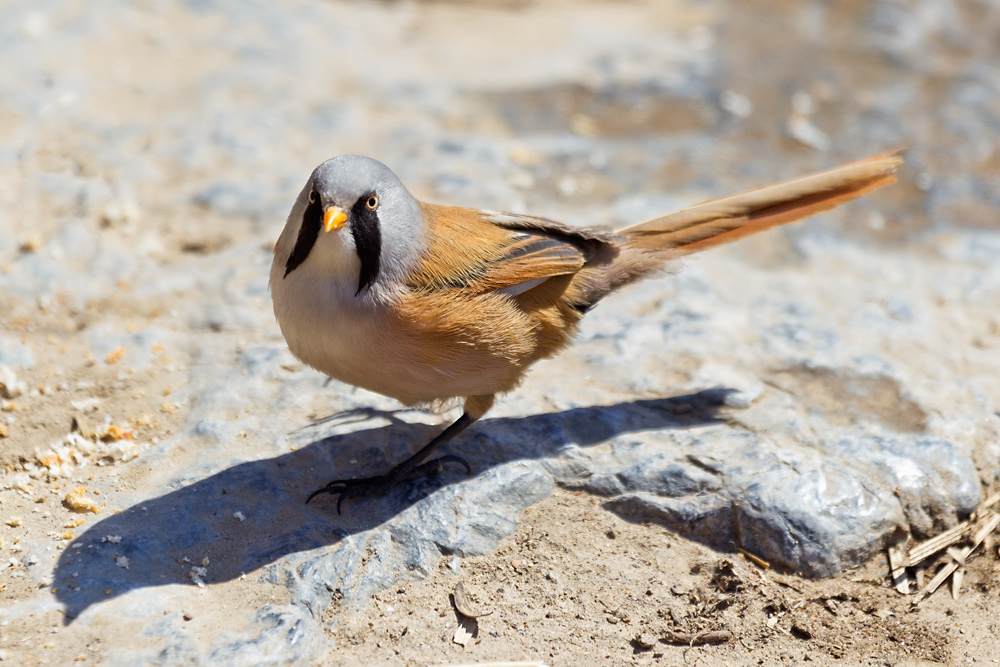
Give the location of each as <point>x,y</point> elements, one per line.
<point>372,202</point>
<point>313,197</point>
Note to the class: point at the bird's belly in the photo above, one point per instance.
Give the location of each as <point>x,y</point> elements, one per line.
<point>381,350</point>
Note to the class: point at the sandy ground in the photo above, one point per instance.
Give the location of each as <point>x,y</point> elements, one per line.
<point>574,585</point>
<point>578,586</point>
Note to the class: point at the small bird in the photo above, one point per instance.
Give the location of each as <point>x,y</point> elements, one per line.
<point>426,303</point>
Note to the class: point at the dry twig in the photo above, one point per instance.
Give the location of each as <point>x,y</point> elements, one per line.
<point>973,532</point>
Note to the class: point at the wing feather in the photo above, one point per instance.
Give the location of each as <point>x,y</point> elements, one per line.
<point>476,252</point>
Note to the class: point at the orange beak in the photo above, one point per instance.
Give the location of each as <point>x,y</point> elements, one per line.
<point>334,218</point>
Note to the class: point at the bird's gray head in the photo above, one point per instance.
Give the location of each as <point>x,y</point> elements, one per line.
<point>354,207</point>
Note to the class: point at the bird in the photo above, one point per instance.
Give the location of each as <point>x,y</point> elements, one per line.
<point>427,303</point>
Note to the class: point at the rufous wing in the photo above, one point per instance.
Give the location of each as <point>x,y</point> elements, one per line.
<point>468,250</point>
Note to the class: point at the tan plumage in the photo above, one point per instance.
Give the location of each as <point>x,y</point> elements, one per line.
<point>426,303</point>
<point>730,218</point>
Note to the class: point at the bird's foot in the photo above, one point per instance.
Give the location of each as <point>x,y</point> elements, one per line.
<point>363,486</point>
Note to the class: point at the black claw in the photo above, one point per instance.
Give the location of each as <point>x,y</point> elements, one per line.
<point>325,489</point>
<point>409,469</point>
<point>339,490</point>
<point>371,485</point>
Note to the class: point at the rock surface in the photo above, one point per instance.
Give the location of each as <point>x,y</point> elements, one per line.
<point>808,396</point>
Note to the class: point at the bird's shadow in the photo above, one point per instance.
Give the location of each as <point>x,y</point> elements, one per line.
<point>249,515</point>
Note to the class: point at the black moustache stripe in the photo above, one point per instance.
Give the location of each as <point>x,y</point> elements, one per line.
<point>367,234</point>
<point>312,222</point>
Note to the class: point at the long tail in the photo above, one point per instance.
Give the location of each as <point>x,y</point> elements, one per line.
<point>723,220</point>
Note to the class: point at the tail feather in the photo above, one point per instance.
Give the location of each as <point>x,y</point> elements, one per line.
<point>730,218</point>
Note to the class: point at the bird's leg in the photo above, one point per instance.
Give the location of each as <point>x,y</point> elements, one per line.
<point>414,466</point>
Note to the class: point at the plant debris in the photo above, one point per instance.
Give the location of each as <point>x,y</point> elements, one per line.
<point>942,553</point>
<point>699,638</point>
<point>465,606</point>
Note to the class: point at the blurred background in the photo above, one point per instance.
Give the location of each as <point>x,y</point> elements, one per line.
<point>196,122</point>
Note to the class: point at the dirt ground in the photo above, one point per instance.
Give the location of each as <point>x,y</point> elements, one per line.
<point>577,585</point>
